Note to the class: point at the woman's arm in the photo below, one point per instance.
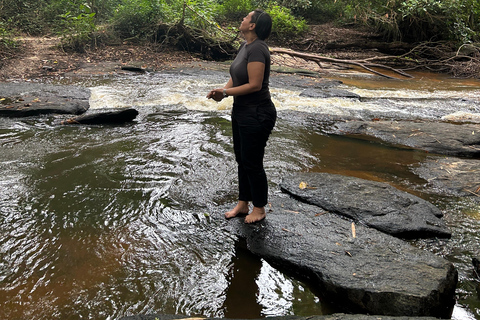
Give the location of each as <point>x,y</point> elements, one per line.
<point>255,79</point>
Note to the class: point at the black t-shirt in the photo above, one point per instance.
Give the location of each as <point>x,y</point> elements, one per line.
<point>257,51</point>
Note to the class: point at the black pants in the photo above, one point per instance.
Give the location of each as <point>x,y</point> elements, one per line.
<point>252,126</point>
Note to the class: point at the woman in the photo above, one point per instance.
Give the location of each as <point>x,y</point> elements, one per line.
<point>253,114</point>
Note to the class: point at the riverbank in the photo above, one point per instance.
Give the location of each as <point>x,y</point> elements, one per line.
<point>39,57</point>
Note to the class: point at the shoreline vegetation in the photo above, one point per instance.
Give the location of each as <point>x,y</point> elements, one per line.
<point>417,34</point>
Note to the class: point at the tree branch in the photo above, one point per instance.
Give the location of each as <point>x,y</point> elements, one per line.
<point>365,63</point>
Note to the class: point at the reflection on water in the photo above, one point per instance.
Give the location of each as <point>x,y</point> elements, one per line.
<point>103,221</point>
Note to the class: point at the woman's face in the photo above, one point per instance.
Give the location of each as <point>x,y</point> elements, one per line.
<point>246,24</point>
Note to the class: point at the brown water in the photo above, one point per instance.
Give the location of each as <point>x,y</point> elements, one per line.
<point>100,222</point>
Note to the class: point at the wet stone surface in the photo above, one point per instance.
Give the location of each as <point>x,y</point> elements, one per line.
<point>353,266</point>
<point>375,204</point>
<point>435,137</point>
<point>32,99</point>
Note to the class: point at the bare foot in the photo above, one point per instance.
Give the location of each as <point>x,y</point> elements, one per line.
<point>257,214</point>
<point>240,208</point>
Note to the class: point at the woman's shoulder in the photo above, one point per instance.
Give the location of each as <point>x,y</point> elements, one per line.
<point>259,45</point>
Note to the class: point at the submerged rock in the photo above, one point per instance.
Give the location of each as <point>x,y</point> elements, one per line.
<point>109,117</point>
<point>451,176</point>
<point>375,204</point>
<point>33,99</point>
<point>357,268</point>
<point>436,137</point>
<point>328,93</point>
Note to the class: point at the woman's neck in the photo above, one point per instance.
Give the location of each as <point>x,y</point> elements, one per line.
<point>250,37</point>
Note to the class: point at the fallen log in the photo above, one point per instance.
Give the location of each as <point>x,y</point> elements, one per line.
<point>364,63</point>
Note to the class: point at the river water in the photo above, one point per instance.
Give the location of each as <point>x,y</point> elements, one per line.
<point>99,222</point>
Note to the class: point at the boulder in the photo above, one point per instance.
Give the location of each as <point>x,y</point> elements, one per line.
<point>34,99</point>
<point>437,137</point>
<point>109,117</point>
<point>375,204</point>
<point>356,268</point>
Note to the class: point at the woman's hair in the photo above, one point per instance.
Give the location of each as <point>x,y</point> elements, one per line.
<point>263,24</point>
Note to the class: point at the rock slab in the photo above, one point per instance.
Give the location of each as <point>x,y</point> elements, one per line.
<point>437,137</point>
<point>34,99</point>
<point>375,204</point>
<point>358,268</point>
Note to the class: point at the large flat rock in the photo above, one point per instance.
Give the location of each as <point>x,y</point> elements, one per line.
<point>372,203</point>
<point>34,99</point>
<point>437,137</point>
<point>357,268</point>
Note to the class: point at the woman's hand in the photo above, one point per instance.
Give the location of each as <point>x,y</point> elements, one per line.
<point>216,94</point>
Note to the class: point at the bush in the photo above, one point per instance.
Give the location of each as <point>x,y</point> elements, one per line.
<point>420,20</point>
<point>284,23</point>
<point>78,29</point>
<point>235,10</point>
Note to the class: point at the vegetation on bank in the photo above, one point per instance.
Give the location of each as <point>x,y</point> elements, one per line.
<point>209,26</point>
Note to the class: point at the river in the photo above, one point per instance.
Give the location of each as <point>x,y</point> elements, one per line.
<point>99,222</point>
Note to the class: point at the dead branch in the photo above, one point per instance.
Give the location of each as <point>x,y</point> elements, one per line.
<point>364,63</point>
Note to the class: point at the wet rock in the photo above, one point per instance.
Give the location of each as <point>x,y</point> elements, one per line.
<point>133,69</point>
<point>295,83</point>
<point>436,137</point>
<point>375,204</point>
<point>328,93</point>
<point>357,268</point>
<point>451,176</point>
<point>109,117</point>
<point>476,266</point>
<point>33,99</point>
<point>337,316</point>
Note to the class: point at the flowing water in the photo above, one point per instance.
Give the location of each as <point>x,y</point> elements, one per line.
<point>99,222</point>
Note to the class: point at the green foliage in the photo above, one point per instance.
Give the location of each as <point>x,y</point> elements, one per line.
<point>23,15</point>
<point>78,29</point>
<point>235,10</point>
<point>134,18</point>
<point>284,23</point>
<point>408,20</point>
<point>420,20</point>
<point>6,39</point>
<point>322,11</point>
<point>200,14</point>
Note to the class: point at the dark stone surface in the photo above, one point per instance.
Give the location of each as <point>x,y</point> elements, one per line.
<point>374,204</point>
<point>371,272</point>
<point>337,316</point>
<point>109,117</point>
<point>437,137</point>
<point>451,176</point>
<point>33,99</point>
<point>476,266</point>
<point>328,93</point>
